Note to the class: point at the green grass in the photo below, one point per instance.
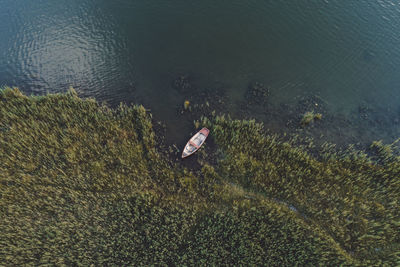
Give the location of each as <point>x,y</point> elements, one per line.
<point>83,184</point>
<point>350,196</point>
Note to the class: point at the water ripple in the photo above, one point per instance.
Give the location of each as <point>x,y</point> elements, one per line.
<point>342,49</point>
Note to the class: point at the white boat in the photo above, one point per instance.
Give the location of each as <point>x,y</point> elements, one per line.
<point>195,142</point>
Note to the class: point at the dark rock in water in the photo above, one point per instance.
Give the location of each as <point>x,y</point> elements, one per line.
<point>182,84</point>
<point>257,93</point>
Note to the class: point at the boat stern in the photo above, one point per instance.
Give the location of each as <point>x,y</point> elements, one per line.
<point>205,131</point>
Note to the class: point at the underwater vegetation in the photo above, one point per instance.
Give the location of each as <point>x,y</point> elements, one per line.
<point>84,184</point>
<point>257,94</point>
<point>182,83</point>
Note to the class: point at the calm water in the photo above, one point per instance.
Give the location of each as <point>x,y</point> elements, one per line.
<point>348,52</point>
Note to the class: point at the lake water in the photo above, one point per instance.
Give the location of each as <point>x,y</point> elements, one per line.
<point>346,52</point>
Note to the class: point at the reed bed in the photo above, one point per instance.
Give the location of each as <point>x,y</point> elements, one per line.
<point>84,184</point>
<point>352,196</point>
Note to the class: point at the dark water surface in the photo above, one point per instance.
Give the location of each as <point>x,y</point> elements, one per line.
<point>347,52</point>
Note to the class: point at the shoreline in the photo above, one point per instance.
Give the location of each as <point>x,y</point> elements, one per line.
<point>360,128</point>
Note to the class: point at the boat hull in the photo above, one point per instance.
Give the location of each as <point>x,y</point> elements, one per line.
<point>195,142</point>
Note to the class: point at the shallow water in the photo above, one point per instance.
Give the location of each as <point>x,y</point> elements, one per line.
<point>347,52</point>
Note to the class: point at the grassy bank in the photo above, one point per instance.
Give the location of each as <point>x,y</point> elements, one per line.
<point>85,184</point>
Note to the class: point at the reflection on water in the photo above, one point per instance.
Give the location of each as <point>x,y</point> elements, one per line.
<point>347,52</point>
<point>56,46</point>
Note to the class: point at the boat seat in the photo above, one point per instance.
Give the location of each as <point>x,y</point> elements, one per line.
<point>193,144</point>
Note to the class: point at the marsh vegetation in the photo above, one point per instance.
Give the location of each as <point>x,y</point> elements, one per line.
<point>83,184</point>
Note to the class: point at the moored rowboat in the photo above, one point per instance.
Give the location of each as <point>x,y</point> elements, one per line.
<point>195,142</point>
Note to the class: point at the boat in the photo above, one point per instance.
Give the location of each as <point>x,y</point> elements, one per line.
<point>195,142</point>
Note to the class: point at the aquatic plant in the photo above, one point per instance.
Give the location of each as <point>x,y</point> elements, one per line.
<point>310,117</point>
<point>182,83</point>
<point>318,116</point>
<point>257,94</point>
<point>186,104</point>
<point>83,184</point>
